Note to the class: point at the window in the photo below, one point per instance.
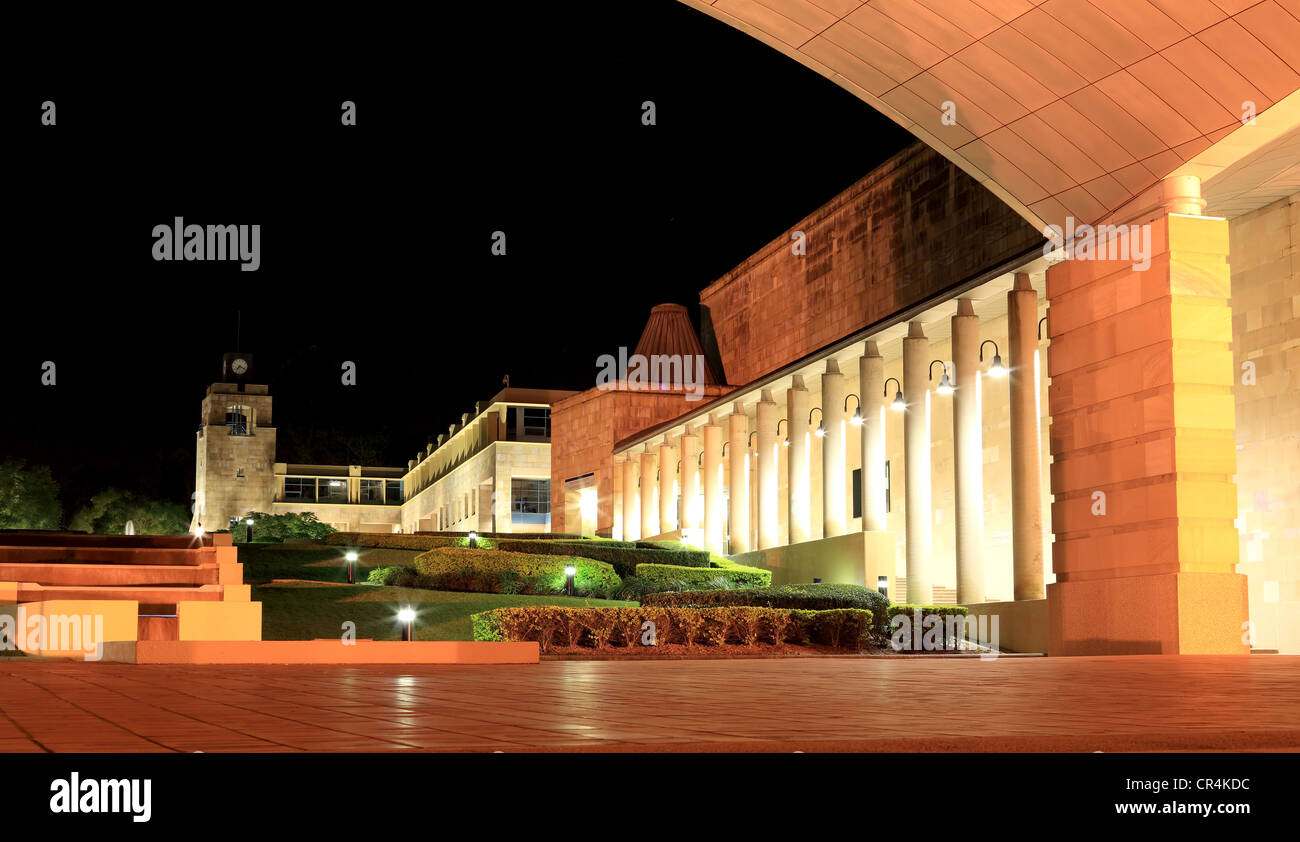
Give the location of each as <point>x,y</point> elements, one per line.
<point>300,488</point>
<point>537,422</point>
<point>372,491</point>
<point>394,492</point>
<point>530,501</point>
<point>237,420</point>
<point>332,490</point>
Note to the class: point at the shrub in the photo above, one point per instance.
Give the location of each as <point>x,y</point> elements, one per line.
<point>489,571</point>
<point>268,527</point>
<point>908,611</point>
<point>666,577</point>
<point>601,627</point>
<point>623,555</point>
<point>390,542</point>
<point>818,597</point>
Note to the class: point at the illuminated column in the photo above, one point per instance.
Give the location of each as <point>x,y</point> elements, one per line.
<point>667,476</point>
<point>1026,457</point>
<point>796,398</point>
<point>631,512</point>
<point>833,486</point>
<point>968,454</point>
<point>688,446</point>
<point>738,480</point>
<point>871,383</point>
<point>711,441</point>
<point>916,454</point>
<point>649,511</point>
<point>769,522</point>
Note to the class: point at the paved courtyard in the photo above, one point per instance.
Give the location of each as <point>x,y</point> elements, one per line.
<point>809,704</point>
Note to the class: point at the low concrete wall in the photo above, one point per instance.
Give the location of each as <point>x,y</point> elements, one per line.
<point>1022,626</point>
<point>857,558</point>
<point>330,651</point>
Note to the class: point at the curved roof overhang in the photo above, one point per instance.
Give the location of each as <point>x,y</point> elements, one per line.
<point>1062,108</point>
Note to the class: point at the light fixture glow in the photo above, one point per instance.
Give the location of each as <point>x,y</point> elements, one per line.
<point>856,420</point>
<point>198,532</point>
<point>820,432</point>
<point>570,570</point>
<point>248,522</point>
<point>997,369</point>
<point>351,555</point>
<point>406,615</point>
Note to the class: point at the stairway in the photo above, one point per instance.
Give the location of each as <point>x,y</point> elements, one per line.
<point>162,575</point>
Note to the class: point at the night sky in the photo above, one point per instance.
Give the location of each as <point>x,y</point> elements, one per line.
<point>375,239</point>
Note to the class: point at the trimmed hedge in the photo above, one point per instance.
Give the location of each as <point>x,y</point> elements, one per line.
<point>668,577</point>
<point>601,628</point>
<point>818,597</point>
<point>386,541</point>
<point>624,555</point>
<point>495,571</point>
<point>533,536</point>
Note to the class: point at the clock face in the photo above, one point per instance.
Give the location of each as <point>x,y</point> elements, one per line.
<point>239,365</point>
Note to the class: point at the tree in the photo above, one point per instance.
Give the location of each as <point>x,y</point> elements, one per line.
<point>29,497</point>
<point>268,527</point>
<point>109,511</point>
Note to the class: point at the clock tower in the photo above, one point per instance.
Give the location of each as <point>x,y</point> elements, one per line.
<point>235,453</point>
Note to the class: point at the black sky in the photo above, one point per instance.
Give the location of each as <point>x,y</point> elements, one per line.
<point>376,239</point>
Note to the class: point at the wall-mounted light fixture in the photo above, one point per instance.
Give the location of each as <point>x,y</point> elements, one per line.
<point>1040,328</point>
<point>899,404</point>
<point>997,369</point>
<point>785,442</point>
<point>821,426</point>
<point>856,420</point>
<point>945,385</point>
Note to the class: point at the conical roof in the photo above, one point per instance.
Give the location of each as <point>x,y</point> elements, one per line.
<point>669,332</point>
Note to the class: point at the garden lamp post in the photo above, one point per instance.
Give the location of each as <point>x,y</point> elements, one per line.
<point>248,536</point>
<point>407,618</point>
<point>473,540</point>
<point>569,572</point>
<point>351,558</point>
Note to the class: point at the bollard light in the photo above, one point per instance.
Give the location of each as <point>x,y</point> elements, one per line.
<point>882,585</point>
<point>351,558</point>
<point>407,617</point>
<point>473,540</point>
<point>249,535</point>
<point>569,573</point>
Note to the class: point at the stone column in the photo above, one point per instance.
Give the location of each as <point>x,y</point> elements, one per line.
<point>769,522</point>
<point>738,480</point>
<point>649,511</point>
<point>1142,435</point>
<point>968,454</point>
<point>834,488</point>
<point>871,383</point>
<point>796,401</point>
<point>711,442</point>
<point>631,511</point>
<point>692,514</point>
<point>919,515</point>
<point>667,476</point>
<point>1026,454</point>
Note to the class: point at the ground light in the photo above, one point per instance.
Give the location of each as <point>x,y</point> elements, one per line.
<point>351,558</point>
<point>997,369</point>
<point>407,618</point>
<point>248,537</point>
<point>898,405</point>
<point>569,572</point>
<point>473,540</point>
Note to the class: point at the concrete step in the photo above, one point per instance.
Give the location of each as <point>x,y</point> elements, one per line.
<point>101,575</point>
<point>106,555</point>
<point>160,599</point>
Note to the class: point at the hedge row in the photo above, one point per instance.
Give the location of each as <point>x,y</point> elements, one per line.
<point>667,577</point>
<point>495,571</point>
<point>386,541</point>
<point>819,597</point>
<point>624,555</point>
<point>533,536</point>
<point>600,628</point>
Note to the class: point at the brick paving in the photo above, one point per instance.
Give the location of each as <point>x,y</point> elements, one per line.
<point>810,704</point>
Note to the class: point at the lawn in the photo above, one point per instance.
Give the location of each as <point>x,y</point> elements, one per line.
<point>303,610</point>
